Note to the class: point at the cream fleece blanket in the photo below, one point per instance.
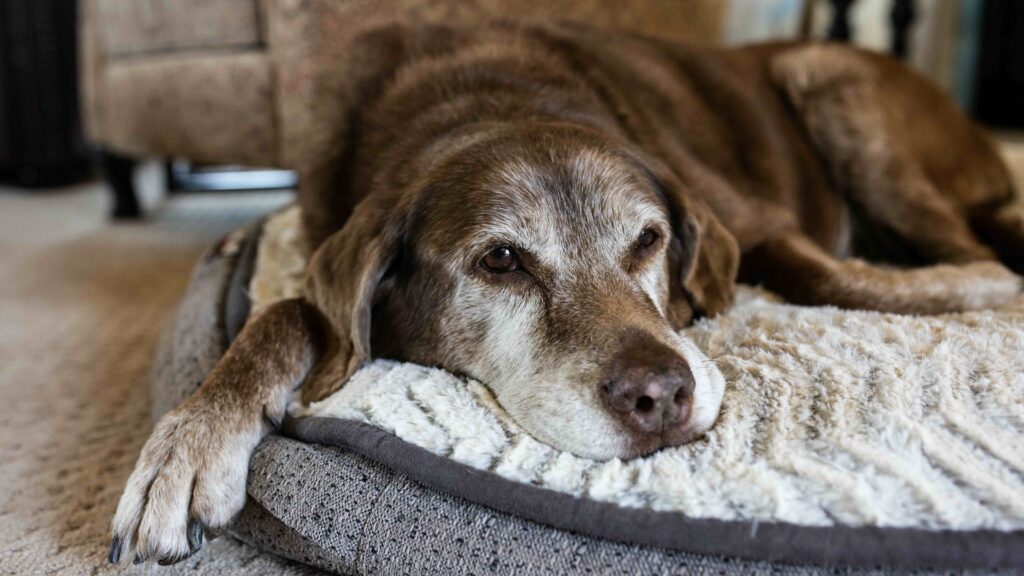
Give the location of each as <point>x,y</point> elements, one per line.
<point>829,416</point>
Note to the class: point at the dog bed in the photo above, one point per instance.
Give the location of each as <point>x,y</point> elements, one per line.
<point>849,442</point>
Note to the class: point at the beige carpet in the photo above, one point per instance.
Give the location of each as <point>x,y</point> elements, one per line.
<point>81,305</point>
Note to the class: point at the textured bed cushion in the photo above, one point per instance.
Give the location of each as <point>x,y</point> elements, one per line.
<point>346,509</point>
<point>830,418</point>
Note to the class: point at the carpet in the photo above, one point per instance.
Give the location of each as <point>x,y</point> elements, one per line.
<point>82,303</point>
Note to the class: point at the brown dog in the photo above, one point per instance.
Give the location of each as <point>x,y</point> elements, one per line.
<point>542,208</point>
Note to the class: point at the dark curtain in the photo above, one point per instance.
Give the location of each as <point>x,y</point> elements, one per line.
<point>40,132</point>
<point>999,90</point>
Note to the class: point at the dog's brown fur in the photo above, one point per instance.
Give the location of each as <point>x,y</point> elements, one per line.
<point>760,161</point>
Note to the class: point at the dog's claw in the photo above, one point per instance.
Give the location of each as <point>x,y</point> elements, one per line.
<point>169,560</point>
<point>138,560</point>
<point>114,556</point>
<point>211,533</point>
<point>195,535</point>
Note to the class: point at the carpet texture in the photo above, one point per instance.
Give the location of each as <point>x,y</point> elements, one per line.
<point>82,303</point>
<point>829,416</point>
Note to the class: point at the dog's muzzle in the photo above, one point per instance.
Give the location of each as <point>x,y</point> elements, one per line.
<point>649,387</point>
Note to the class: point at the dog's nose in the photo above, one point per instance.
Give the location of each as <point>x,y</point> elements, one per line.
<point>651,405</point>
<point>650,387</point>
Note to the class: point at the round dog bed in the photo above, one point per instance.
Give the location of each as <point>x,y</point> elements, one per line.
<point>341,489</point>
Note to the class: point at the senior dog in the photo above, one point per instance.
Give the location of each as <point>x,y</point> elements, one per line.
<point>542,208</point>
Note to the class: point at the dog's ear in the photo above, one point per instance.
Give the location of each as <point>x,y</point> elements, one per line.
<point>344,278</point>
<point>704,255</point>
<point>707,261</point>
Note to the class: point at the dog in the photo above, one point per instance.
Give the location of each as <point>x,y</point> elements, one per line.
<point>543,208</point>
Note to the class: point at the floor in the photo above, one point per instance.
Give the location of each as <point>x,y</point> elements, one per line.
<point>82,302</point>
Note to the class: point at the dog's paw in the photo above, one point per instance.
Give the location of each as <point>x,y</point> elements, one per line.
<point>989,285</point>
<point>189,480</point>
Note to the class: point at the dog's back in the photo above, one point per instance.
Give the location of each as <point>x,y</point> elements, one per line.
<point>723,118</point>
<point>689,106</point>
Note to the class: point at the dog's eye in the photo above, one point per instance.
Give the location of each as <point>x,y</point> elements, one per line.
<point>501,259</point>
<point>646,239</point>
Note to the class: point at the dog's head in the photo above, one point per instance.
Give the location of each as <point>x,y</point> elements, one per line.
<point>551,265</point>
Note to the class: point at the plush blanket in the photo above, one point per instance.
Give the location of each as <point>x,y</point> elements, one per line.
<point>829,416</point>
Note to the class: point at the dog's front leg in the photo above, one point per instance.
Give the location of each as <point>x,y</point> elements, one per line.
<point>190,477</point>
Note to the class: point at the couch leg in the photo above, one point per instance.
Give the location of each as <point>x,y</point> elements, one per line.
<point>118,171</point>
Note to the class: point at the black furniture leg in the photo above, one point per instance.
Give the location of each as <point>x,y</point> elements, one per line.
<point>118,171</point>
<point>903,12</point>
<point>840,29</point>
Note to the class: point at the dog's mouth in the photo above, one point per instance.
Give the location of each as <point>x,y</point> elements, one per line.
<point>647,444</point>
<point>599,435</point>
<point>586,422</point>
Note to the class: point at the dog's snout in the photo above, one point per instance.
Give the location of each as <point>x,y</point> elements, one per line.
<point>649,386</point>
<point>651,405</point>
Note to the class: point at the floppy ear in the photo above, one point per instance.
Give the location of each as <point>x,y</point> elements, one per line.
<point>708,259</point>
<point>343,280</point>
<point>705,255</point>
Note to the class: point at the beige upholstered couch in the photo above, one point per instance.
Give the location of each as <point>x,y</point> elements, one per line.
<point>235,81</point>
